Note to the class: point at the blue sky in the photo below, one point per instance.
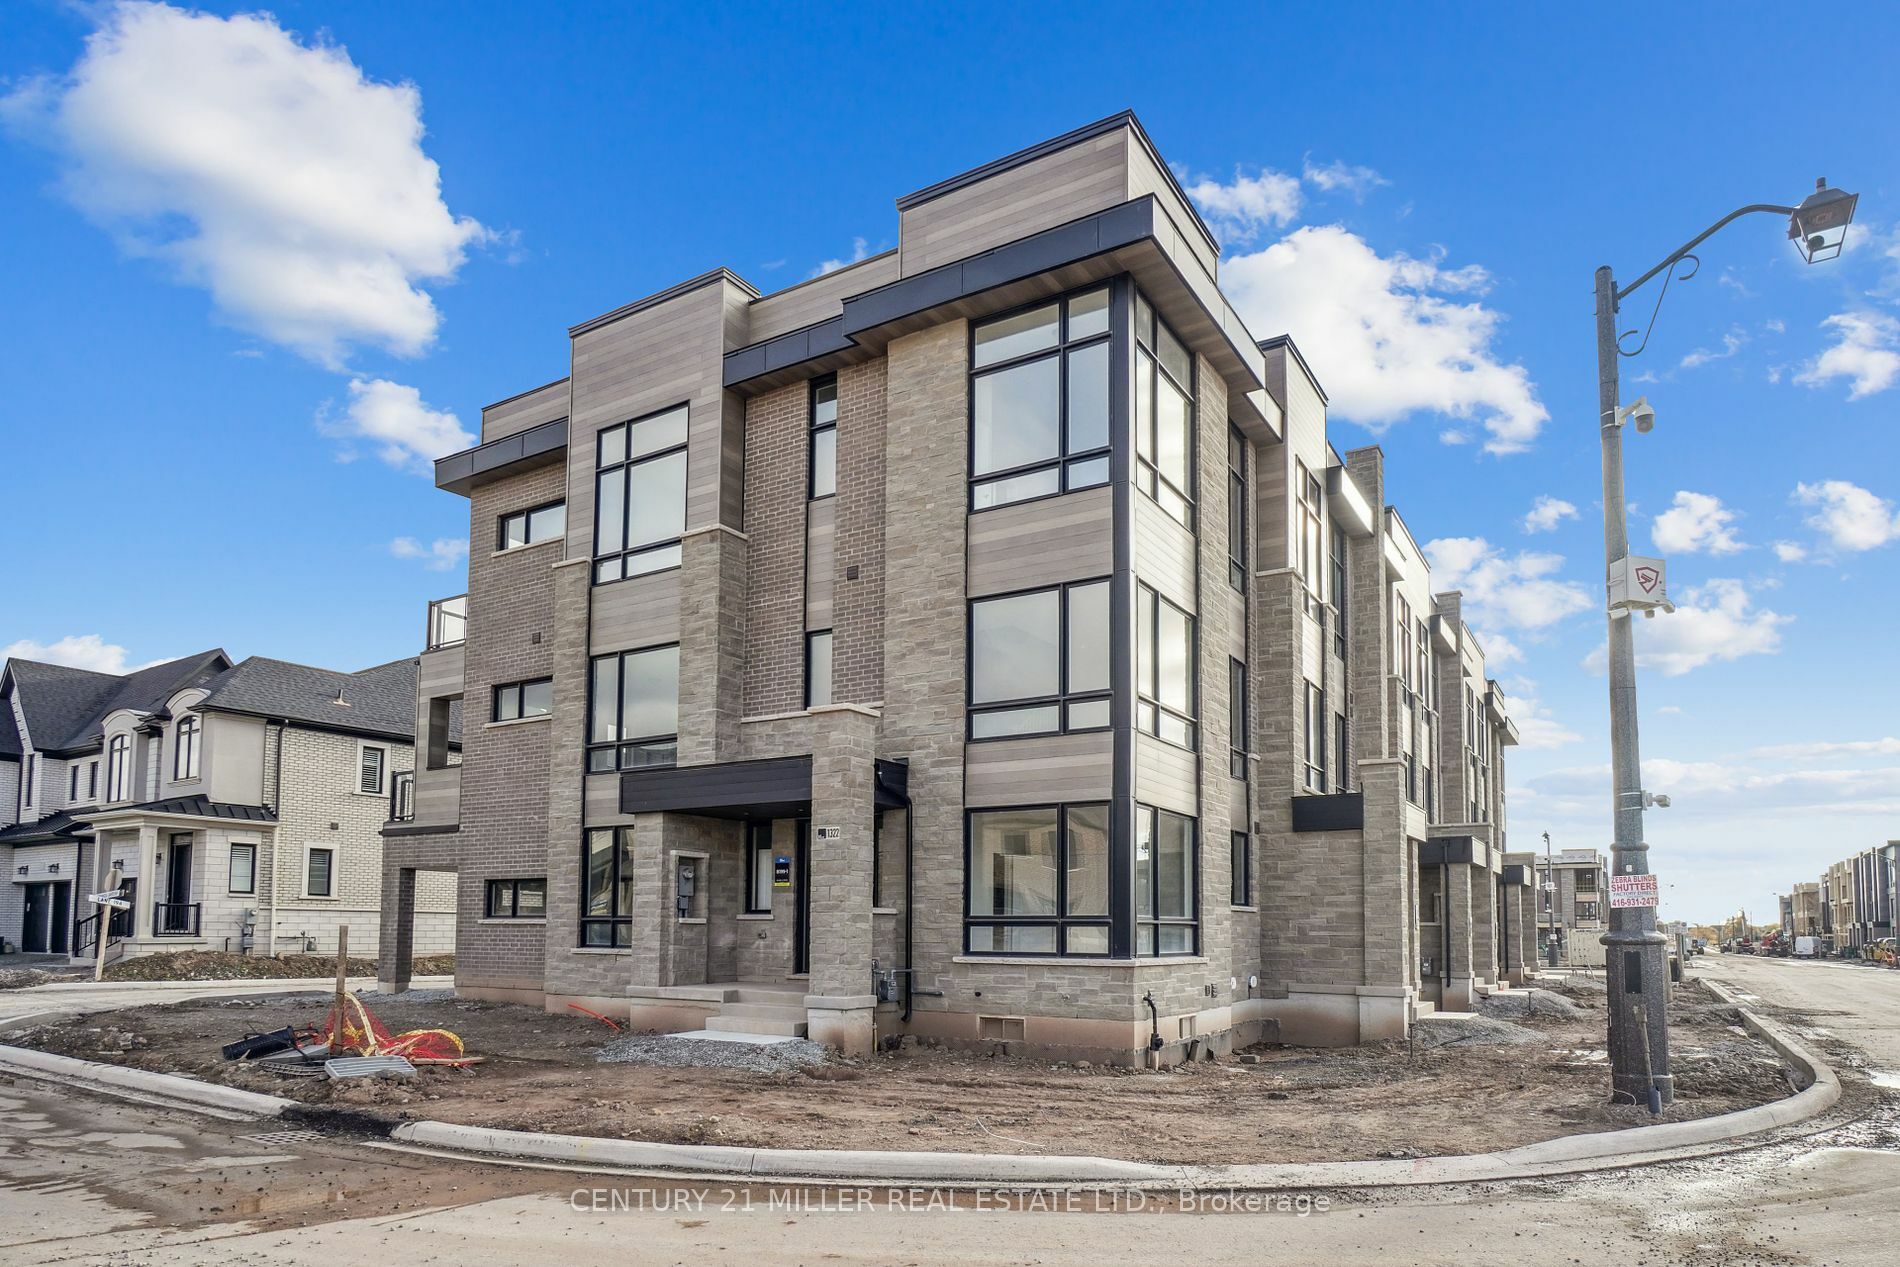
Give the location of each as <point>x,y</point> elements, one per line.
<point>227,355</point>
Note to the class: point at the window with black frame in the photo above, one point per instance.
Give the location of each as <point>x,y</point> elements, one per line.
<point>1312,534</point>
<point>1164,669</point>
<point>823,468</point>
<point>516,899</point>
<point>185,748</point>
<point>1236,509</point>
<point>758,869</point>
<point>640,495</point>
<point>1336,543</point>
<point>633,709</point>
<point>1165,907</point>
<point>1237,733</point>
<point>607,887</point>
<point>1164,414</point>
<point>517,700</point>
<point>531,527</point>
<point>1240,869</point>
<point>1315,751</point>
<point>1037,881</point>
<point>818,668</point>
<point>1039,400</point>
<point>1039,661</point>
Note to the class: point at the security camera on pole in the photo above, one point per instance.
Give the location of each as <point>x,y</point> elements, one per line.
<point>1636,955</point>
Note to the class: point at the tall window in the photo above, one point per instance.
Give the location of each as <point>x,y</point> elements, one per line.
<point>640,496</point>
<point>242,874</point>
<point>530,527</point>
<point>516,700</point>
<point>26,788</point>
<point>817,668</point>
<point>1039,401</point>
<point>1038,881</point>
<point>824,438</point>
<point>1337,545</point>
<point>607,893</point>
<point>1164,669</point>
<point>1039,661</point>
<point>185,748</point>
<point>758,869</point>
<point>1164,882</point>
<point>1237,734</point>
<point>1164,414</point>
<point>119,769</point>
<point>370,761</point>
<point>1402,642</point>
<point>633,709</point>
<point>92,780</point>
<point>1236,510</point>
<point>1342,754</point>
<point>1315,739</point>
<point>319,871</point>
<point>1240,869</point>
<point>1312,541</point>
<point>72,784</point>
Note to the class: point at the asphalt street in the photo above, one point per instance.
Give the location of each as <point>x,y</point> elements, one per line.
<point>90,1180</point>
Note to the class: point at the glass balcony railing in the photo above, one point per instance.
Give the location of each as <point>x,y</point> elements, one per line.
<point>448,622</point>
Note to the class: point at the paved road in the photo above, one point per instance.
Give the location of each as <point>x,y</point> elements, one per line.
<point>1857,1004</point>
<point>85,1180</point>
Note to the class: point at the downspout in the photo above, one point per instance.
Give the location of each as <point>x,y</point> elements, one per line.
<point>1444,933</point>
<point>277,810</point>
<point>910,897</point>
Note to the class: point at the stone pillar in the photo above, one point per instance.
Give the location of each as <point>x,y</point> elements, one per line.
<point>840,1001</point>
<point>712,643</point>
<point>1460,976</point>
<point>1388,921</point>
<point>1484,924</point>
<point>651,963</point>
<point>396,936</point>
<point>149,886</point>
<point>1524,935</point>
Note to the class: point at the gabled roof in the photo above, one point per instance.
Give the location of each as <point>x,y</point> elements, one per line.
<point>58,828</point>
<point>64,706</point>
<point>10,749</point>
<point>378,701</point>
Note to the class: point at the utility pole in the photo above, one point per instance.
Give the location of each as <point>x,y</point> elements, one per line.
<point>1550,903</point>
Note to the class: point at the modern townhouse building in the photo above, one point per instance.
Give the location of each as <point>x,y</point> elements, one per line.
<point>980,642</point>
<point>1840,926</point>
<point>1573,904</point>
<point>242,804</point>
<point>1872,876</point>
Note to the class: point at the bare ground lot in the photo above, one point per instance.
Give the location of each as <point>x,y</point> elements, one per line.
<point>1294,1104</point>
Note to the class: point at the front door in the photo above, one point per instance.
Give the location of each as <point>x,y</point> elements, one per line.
<point>177,912</point>
<point>33,919</point>
<point>801,904</point>
<point>59,929</point>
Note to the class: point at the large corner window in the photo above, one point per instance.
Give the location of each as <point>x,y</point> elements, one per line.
<point>1039,401</point>
<point>185,748</point>
<point>1039,662</point>
<point>1164,669</point>
<point>640,495</point>
<point>1236,509</point>
<point>633,709</point>
<point>607,888</point>
<point>1164,415</point>
<point>1164,882</point>
<point>1037,881</point>
<point>531,527</point>
<point>824,438</point>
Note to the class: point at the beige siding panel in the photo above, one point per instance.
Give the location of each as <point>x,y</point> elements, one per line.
<point>1041,543</point>
<point>641,612</point>
<point>821,536</point>
<point>1036,771</point>
<point>1164,554</point>
<point>1166,776</point>
<point>438,796</point>
<point>817,300</point>
<point>1145,178</point>
<point>1237,815</point>
<point>601,797</point>
<point>1312,649</point>
<point>530,409</point>
<point>1087,177</point>
<point>1236,625</point>
<point>441,673</point>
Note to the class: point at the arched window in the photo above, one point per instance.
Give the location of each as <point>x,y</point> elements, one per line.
<point>185,749</point>
<point>119,769</point>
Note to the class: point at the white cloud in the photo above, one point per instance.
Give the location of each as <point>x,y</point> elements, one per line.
<point>1240,211</point>
<point>79,651</point>
<point>1669,710</point>
<point>1694,524</point>
<point>1516,591</point>
<point>1731,789</point>
<point>860,250</point>
<point>270,171</point>
<point>1731,344</point>
<point>1866,351</point>
<point>1383,335</point>
<point>1536,728</point>
<point>393,418</point>
<point>1712,623</point>
<point>1888,747</point>
<point>1499,650</point>
<point>1339,175</point>
<point>441,555</point>
<point>1790,551</point>
<point>1849,516</point>
<point>1547,512</point>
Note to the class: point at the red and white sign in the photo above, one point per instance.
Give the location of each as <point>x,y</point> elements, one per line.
<point>1632,890</point>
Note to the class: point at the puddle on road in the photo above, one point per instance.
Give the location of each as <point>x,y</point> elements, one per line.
<point>130,1139</point>
<point>1884,1078</point>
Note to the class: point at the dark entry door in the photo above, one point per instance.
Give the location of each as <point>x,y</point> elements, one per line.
<point>801,905</point>
<point>177,912</point>
<point>33,919</point>
<point>59,932</point>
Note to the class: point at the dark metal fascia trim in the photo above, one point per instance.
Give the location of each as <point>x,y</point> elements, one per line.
<point>536,446</point>
<point>509,400</point>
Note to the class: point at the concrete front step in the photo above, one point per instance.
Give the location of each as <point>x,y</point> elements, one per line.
<point>766,1011</point>
<point>774,1025</point>
<point>1449,1016</point>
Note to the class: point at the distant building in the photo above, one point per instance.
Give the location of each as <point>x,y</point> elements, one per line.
<point>1573,910</point>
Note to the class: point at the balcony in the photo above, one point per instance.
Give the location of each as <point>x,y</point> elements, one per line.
<point>402,798</point>
<point>448,622</point>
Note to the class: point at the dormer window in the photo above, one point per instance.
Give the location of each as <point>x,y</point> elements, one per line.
<point>119,768</point>
<point>185,749</point>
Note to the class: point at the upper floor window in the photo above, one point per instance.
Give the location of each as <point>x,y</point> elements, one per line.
<point>72,784</point>
<point>92,780</point>
<point>1336,544</point>
<point>516,700</point>
<point>119,768</point>
<point>817,668</point>
<point>1039,661</point>
<point>372,763</point>
<point>640,496</point>
<point>1237,738</point>
<point>824,437</point>
<point>1402,643</point>
<point>1164,669</point>
<point>1164,414</point>
<point>531,527</point>
<point>185,748</point>
<point>634,709</point>
<point>1315,751</point>
<point>1312,532</point>
<point>1236,510</point>
<point>26,788</point>
<point>1039,401</point>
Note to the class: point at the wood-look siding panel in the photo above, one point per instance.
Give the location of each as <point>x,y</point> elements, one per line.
<point>1166,776</point>
<point>530,409</point>
<point>642,612</point>
<point>600,798</point>
<point>1164,554</point>
<point>1237,812</point>
<point>1236,625</point>
<point>1087,177</point>
<point>1037,771</point>
<point>1145,178</point>
<point>1041,543</point>
<point>817,300</point>
<point>438,796</point>
<point>821,538</point>
<point>441,673</point>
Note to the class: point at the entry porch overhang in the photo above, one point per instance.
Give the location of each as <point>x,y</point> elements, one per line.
<point>776,787</point>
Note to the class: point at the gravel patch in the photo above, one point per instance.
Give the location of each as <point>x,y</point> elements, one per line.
<point>1544,1003</point>
<point>661,1049</point>
<point>406,996</point>
<point>1475,1031</point>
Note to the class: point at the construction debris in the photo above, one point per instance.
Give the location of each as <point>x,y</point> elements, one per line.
<point>368,1067</point>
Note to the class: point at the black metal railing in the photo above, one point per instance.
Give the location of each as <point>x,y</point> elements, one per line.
<point>176,919</point>
<point>402,797</point>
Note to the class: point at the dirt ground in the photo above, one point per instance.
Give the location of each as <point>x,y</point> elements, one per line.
<point>213,965</point>
<point>1292,1104</point>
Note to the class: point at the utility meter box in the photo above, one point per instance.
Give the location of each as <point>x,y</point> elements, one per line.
<point>1639,584</point>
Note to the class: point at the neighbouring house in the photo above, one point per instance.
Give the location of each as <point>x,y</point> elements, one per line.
<point>981,642</point>
<point>1573,904</point>
<point>242,804</point>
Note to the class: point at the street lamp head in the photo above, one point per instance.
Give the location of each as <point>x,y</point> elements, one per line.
<point>1818,226</point>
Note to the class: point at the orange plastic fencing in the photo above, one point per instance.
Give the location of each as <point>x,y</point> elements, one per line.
<point>364,1035</point>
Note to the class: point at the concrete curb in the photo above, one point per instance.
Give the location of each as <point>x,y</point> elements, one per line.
<point>170,1086</point>
<point>244,985</point>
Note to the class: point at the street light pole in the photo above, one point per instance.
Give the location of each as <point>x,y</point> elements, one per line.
<point>1636,960</point>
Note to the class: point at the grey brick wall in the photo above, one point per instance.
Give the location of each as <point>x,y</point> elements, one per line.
<point>857,646</point>
<point>777,443</point>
